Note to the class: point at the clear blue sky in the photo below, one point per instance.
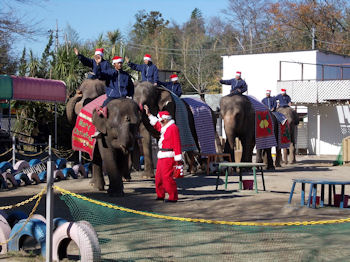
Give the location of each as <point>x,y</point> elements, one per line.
<point>92,17</point>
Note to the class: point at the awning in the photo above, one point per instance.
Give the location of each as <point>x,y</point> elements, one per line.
<point>32,89</point>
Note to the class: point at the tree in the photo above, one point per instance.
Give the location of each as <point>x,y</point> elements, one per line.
<point>44,65</point>
<point>23,64</point>
<point>113,37</point>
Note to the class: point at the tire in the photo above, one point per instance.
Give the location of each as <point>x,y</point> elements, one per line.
<point>34,178</point>
<point>20,165</point>
<point>69,172</point>
<point>87,169</point>
<point>4,214</point>
<point>79,169</point>
<point>61,163</point>
<point>57,174</point>
<point>5,231</point>
<point>22,177</point>
<point>15,216</point>
<point>34,228</point>
<point>39,217</point>
<point>58,221</point>
<point>9,178</point>
<point>34,162</point>
<point>93,235</point>
<point>81,236</point>
<point>4,166</point>
<point>42,176</point>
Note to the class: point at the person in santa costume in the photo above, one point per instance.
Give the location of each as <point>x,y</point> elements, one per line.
<point>149,71</point>
<point>174,85</point>
<point>169,154</point>
<point>105,65</point>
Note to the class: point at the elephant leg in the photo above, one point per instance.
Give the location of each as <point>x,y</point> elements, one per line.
<point>247,150</point>
<point>268,154</point>
<point>259,158</point>
<point>230,147</point>
<point>191,162</point>
<point>285,155</point>
<point>292,152</point>
<point>278,157</point>
<point>115,174</point>
<point>147,152</point>
<point>97,180</point>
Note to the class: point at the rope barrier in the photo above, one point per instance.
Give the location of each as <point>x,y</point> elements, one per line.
<point>196,220</point>
<point>8,151</point>
<point>25,201</point>
<point>36,154</point>
<point>85,158</point>
<point>39,196</point>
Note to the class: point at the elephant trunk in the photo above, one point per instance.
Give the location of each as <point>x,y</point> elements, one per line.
<point>70,108</point>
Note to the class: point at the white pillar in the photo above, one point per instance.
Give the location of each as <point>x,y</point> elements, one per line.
<point>49,206</point>
<point>55,125</point>
<point>318,140</point>
<point>13,151</point>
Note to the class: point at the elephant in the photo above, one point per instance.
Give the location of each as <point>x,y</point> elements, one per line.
<point>158,99</point>
<point>117,144</point>
<point>238,115</point>
<point>293,121</point>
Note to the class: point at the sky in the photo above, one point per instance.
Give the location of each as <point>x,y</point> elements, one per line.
<point>93,17</point>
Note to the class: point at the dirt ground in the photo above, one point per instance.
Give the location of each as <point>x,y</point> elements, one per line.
<point>199,199</point>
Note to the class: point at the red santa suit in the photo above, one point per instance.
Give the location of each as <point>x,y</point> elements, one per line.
<point>169,152</point>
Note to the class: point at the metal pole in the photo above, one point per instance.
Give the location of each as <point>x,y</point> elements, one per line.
<point>318,141</point>
<point>9,118</point>
<point>13,151</point>
<point>56,125</point>
<point>49,206</point>
<point>79,157</point>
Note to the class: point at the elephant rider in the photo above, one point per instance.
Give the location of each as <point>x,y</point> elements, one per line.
<point>269,101</point>
<point>105,65</point>
<point>120,83</point>
<point>284,99</point>
<point>238,85</point>
<point>174,86</point>
<point>149,71</point>
<point>169,154</point>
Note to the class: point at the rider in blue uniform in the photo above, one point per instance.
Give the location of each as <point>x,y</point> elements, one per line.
<point>238,85</point>
<point>174,86</point>
<point>270,101</point>
<point>284,99</point>
<point>149,71</point>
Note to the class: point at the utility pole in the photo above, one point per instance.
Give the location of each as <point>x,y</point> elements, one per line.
<point>313,38</point>
<point>251,39</point>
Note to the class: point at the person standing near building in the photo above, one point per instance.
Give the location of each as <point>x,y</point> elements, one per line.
<point>284,99</point>
<point>238,85</point>
<point>149,71</point>
<point>169,154</point>
<point>105,65</point>
<point>269,101</point>
<point>174,85</point>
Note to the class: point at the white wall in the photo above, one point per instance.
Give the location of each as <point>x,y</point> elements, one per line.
<point>335,125</point>
<point>261,71</point>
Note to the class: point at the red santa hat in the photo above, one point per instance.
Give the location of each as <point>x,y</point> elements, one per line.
<point>99,51</point>
<point>147,57</point>
<point>162,115</point>
<point>268,91</point>
<point>174,77</point>
<point>117,59</point>
<point>283,90</point>
<point>238,73</point>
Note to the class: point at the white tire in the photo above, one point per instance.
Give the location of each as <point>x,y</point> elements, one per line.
<point>57,174</point>
<point>93,236</point>
<point>5,231</point>
<point>39,217</point>
<point>8,177</point>
<point>20,165</point>
<point>34,178</point>
<point>81,236</point>
<point>79,169</point>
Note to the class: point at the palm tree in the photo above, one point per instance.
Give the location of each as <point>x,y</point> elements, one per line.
<point>113,37</point>
<point>33,65</point>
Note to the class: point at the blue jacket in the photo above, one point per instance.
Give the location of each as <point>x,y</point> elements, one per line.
<point>284,100</point>
<point>105,65</point>
<point>173,87</point>
<point>149,72</point>
<point>236,84</point>
<point>270,102</point>
<point>120,83</point>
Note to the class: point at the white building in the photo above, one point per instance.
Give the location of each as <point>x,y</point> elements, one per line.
<point>315,82</point>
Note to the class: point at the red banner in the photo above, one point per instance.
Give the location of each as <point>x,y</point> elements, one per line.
<point>263,124</point>
<point>82,132</point>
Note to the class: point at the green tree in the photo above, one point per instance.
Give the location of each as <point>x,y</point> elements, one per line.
<point>44,65</point>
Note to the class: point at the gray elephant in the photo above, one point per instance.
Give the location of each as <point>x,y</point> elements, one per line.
<point>293,121</point>
<point>238,115</point>
<point>158,99</point>
<point>118,142</point>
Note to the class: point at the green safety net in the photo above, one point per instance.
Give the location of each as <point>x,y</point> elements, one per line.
<point>125,236</point>
<point>339,161</point>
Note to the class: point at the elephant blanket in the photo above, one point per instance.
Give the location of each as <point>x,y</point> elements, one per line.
<point>283,135</point>
<point>204,125</point>
<point>181,119</point>
<point>264,131</point>
<point>84,129</point>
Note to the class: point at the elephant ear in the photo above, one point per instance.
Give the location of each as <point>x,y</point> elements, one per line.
<point>99,120</point>
<point>166,102</point>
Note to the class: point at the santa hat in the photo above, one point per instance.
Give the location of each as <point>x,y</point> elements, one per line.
<point>147,57</point>
<point>117,59</point>
<point>99,51</point>
<point>283,90</point>
<point>174,77</point>
<point>268,91</point>
<point>238,73</point>
<point>162,115</point>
